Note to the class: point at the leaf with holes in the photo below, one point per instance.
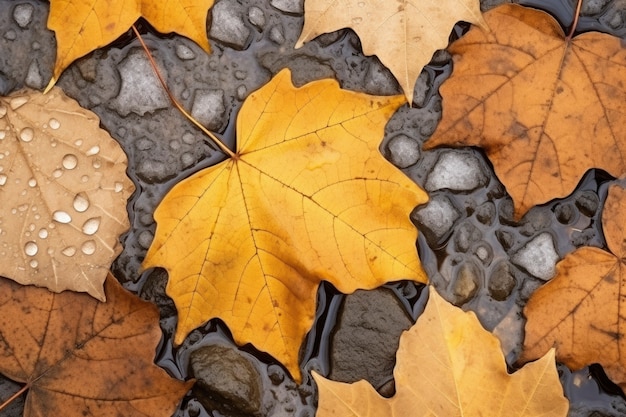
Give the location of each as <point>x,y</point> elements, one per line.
<point>64,189</point>
<point>448,365</point>
<point>82,26</point>
<point>306,197</point>
<point>403,34</point>
<point>580,311</point>
<point>546,108</point>
<point>79,357</point>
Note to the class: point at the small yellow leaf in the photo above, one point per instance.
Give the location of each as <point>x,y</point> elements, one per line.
<point>63,188</point>
<point>404,34</point>
<point>307,197</point>
<point>448,365</point>
<point>81,26</point>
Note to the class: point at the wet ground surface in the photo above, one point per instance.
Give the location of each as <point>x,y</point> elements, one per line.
<point>475,254</point>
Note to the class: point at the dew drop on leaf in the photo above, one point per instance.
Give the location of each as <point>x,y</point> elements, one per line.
<point>70,161</point>
<point>69,251</point>
<point>34,263</point>
<point>43,233</point>
<point>89,247</point>
<point>3,111</point>
<point>27,134</point>
<point>31,248</point>
<point>54,124</point>
<point>32,182</point>
<point>81,202</point>
<point>91,226</point>
<point>18,102</point>
<point>3,179</point>
<point>118,187</point>
<point>57,173</point>
<point>61,216</point>
<point>93,151</point>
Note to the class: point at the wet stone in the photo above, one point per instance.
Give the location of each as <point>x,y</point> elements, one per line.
<point>466,284</point>
<point>403,151</point>
<point>226,379</point>
<point>208,108</point>
<point>587,202</point>
<point>379,80</point>
<point>436,218</point>
<point>486,213</point>
<point>465,235</point>
<point>141,91</point>
<point>33,76</point>
<point>227,25</point>
<point>502,281</point>
<point>256,17</point>
<point>23,14</point>
<point>506,239</point>
<point>538,257</point>
<point>289,6</point>
<point>276,35</point>
<point>153,171</point>
<point>184,52</point>
<point>565,213</point>
<point>456,171</point>
<point>367,336</point>
<point>535,221</point>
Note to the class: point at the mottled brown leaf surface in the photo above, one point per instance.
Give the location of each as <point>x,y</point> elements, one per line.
<point>582,311</point>
<point>81,357</point>
<point>545,108</point>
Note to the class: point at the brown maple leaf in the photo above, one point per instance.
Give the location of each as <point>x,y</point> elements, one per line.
<point>546,108</point>
<point>80,357</point>
<point>580,312</point>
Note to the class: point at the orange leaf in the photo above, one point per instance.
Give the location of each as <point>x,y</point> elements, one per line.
<point>580,312</point>
<point>545,109</point>
<point>64,190</point>
<point>81,26</point>
<point>307,197</point>
<point>404,34</point>
<point>448,365</point>
<point>80,357</point>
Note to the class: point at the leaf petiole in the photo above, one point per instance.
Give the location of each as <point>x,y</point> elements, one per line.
<point>179,106</point>
<point>14,396</point>
<point>579,6</point>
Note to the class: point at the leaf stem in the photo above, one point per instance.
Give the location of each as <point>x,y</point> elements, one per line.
<point>176,104</point>
<point>579,6</point>
<point>14,396</point>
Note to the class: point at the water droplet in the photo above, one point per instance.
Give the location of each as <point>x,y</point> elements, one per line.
<point>27,134</point>
<point>32,182</point>
<point>2,134</point>
<point>23,207</point>
<point>3,179</point>
<point>97,163</point>
<point>91,226</point>
<point>61,217</point>
<point>357,20</point>
<point>54,124</point>
<point>70,161</point>
<point>31,227</point>
<point>84,178</point>
<point>31,248</point>
<point>89,247</point>
<point>18,102</point>
<point>93,151</point>
<point>34,263</point>
<point>69,251</point>
<point>43,233</point>
<point>3,111</point>
<point>57,173</point>
<point>78,142</point>
<point>50,251</point>
<point>118,187</point>
<point>81,202</point>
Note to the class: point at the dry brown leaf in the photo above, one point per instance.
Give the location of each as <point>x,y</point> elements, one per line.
<point>80,357</point>
<point>307,197</point>
<point>544,108</point>
<point>448,365</point>
<point>580,312</point>
<point>82,26</point>
<point>64,189</point>
<point>404,34</point>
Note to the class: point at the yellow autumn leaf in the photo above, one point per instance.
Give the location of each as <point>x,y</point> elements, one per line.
<point>63,188</point>
<point>307,197</point>
<point>448,365</point>
<point>403,34</point>
<point>81,26</point>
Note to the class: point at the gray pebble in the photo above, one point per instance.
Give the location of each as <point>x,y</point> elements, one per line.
<point>403,151</point>
<point>184,52</point>
<point>228,26</point>
<point>23,14</point>
<point>256,17</point>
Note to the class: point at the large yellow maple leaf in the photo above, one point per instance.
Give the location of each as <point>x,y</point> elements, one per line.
<point>448,365</point>
<point>545,107</point>
<point>306,197</point>
<point>81,26</point>
<point>403,34</point>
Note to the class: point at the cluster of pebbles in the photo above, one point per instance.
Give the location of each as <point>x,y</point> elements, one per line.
<point>476,255</point>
